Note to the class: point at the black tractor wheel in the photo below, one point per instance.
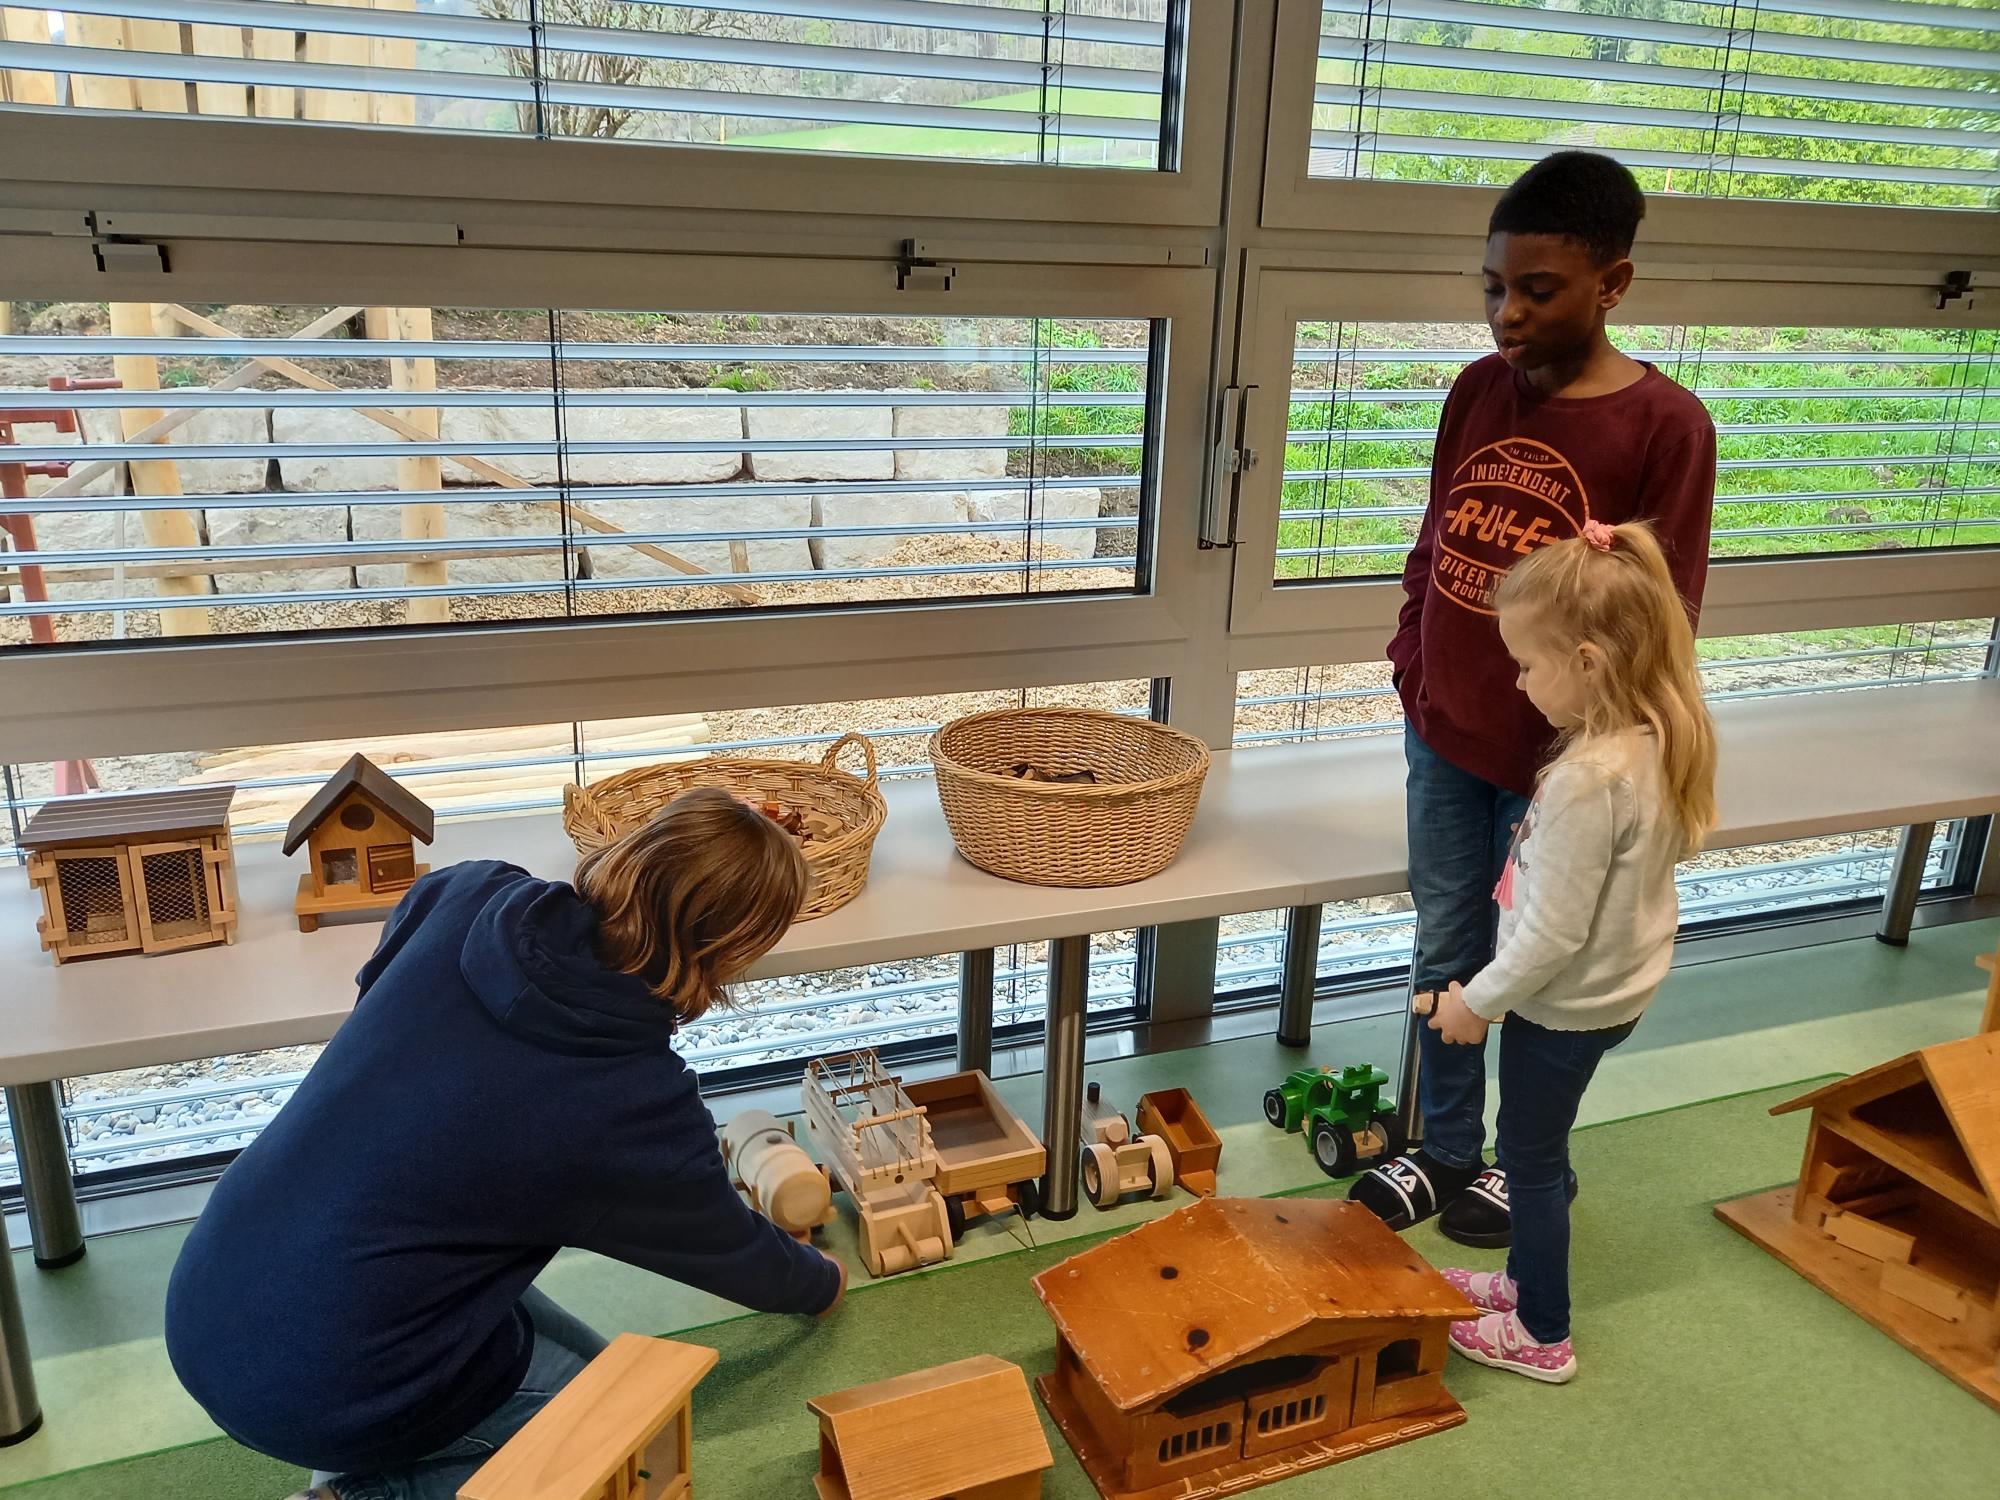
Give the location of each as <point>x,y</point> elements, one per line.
<point>1274,1107</point>
<point>1333,1148</point>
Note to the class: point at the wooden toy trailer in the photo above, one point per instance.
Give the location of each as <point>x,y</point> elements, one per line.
<point>128,872</point>
<point>989,1161</point>
<point>877,1143</point>
<point>1173,1116</point>
<point>618,1431</point>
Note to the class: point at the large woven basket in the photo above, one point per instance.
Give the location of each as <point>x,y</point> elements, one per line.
<point>595,816</point>
<point>1124,826</point>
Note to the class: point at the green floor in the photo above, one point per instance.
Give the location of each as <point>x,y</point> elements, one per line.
<point>1705,1361</point>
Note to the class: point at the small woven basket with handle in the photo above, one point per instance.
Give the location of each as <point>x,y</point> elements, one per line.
<point>595,816</point>
<point>1125,823</point>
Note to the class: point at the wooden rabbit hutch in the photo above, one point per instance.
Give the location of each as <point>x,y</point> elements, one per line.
<point>962,1431</point>
<point>618,1431</point>
<point>1240,1341</point>
<point>360,829</point>
<point>133,872</point>
<point>1896,1213</point>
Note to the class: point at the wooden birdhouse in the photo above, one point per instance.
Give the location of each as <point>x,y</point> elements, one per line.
<point>1896,1213</point>
<point>618,1431</point>
<point>964,1431</point>
<point>125,872</point>
<point>1245,1340</point>
<point>360,830</point>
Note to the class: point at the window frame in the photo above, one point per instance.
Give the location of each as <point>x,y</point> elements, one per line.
<point>178,158</point>
<point>93,700</point>
<point>1308,623</point>
<point>1817,236</point>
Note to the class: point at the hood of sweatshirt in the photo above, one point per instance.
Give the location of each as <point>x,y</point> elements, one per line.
<point>530,956</point>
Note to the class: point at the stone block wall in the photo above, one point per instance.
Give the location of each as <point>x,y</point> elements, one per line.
<point>720,429</point>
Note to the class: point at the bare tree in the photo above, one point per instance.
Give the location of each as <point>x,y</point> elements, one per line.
<point>618,70</point>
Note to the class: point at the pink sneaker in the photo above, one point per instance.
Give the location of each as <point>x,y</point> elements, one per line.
<point>1494,1291</point>
<point>1499,1340</point>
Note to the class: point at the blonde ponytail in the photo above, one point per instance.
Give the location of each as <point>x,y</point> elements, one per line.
<point>1614,591</point>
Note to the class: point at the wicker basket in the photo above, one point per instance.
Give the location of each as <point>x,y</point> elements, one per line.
<point>1124,826</point>
<point>594,816</point>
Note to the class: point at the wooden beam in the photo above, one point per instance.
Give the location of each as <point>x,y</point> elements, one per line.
<point>163,528</point>
<point>98,91</point>
<point>80,476</point>
<point>491,472</point>
<point>220,98</point>
<point>394,52</point>
<point>160,96</point>
<point>21,85</point>
<point>348,106</point>
<point>421,523</point>
<point>274,101</point>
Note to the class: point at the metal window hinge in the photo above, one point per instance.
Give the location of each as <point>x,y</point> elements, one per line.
<point>1233,459</point>
<point>1957,287</point>
<point>125,254</point>
<point>915,273</point>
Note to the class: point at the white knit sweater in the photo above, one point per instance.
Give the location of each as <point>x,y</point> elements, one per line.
<point>1588,907</point>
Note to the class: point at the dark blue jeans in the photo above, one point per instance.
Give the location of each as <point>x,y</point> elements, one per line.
<point>1543,1075</point>
<point>564,1344</point>
<point>1460,830</point>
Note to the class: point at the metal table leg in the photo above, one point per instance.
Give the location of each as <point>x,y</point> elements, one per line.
<point>1301,976</point>
<point>1906,881</point>
<point>34,1115</point>
<point>1062,1073</point>
<point>975,1010</point>
<point>20,1411</point>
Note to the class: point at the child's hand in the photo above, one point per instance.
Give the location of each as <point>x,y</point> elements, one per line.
<point>839,1296</point>
<point>1453,1020</point>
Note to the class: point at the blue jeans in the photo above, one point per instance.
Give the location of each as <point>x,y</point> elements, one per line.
<point>1460,831</point>
<point>1543,1075</point>
<point>564,1344</point>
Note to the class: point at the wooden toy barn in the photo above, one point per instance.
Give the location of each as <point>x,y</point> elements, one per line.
<point>1896,1213</point>
<point>127,872</point>
<point>962,1431</point>
<point>1244,1340</point>
<point>360,829</point>
<point>618,1431</point>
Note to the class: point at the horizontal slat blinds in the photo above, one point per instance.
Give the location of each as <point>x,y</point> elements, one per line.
<point>1072,81</point>
<point>1870,101</point>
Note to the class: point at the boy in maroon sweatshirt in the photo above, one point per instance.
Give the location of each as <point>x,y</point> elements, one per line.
<point>1555,429</point>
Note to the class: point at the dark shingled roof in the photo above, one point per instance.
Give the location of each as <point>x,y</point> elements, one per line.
<point>380,787</point>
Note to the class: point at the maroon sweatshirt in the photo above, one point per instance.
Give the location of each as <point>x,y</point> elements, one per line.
<point>1515,470</point>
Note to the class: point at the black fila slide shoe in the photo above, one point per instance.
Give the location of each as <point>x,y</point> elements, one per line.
<point>1408,1189</point>
<point>1480,1217</point>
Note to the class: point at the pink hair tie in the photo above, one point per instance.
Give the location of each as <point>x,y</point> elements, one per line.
<point>1599,535</point>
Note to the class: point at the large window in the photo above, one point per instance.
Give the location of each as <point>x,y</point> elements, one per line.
<point>1074,83</point>
<point>306,468</point>
<point>1846,101</point>
<point>1828,440</point>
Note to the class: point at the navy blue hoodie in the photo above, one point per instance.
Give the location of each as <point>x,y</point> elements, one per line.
<point>348,1300</point>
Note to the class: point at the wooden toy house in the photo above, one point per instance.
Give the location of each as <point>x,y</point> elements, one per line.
<point>1241,1341</point>
<point>1896,1213</point>
<point>618,1431</point>
<point>963,1431</point>
<point>127,872</point>
<point>360,828</point>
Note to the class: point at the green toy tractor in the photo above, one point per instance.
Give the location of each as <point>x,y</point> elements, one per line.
<point>1341,1114</point>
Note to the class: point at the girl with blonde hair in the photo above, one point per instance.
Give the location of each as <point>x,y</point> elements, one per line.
<point>1588,907</point>
<point>357,1297</point>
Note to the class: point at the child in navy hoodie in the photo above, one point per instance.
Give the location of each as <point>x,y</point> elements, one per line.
<point>356,1297</point>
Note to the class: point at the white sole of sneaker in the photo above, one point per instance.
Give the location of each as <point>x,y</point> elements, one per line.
<point>1534,1372</point>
